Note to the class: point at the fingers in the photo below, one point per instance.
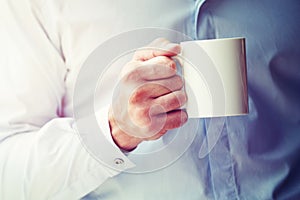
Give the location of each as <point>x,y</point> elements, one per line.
<point>162,105</point>
<point>166,86</point>
<point>174,119</point>
<point>156,89</point>
<point>157,68</point>
<point>169,102</point>
<point>154,112</point>
<point>159,47</point>
<point>149,96</point>
<point>153,63</point>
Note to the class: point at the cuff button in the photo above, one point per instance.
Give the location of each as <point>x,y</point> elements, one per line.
<point>119,161</point>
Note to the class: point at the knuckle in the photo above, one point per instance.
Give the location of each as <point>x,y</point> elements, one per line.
<point>182,97</point>
<point>139,54</point>
<point>133,76</point>
<point>174,102</point>
<point>137,96</point>
<point>129,77</point>
<point>184,118</point>
<point>141,114</point>
<point>167,63</point>
<point>179,81</point>
<point>172,65</point>
<point>180,119</point>
<point>153,52</point>
<point>131,71</point>
<point>164,60</point>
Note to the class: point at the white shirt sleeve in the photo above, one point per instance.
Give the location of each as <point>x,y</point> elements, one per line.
<point>41,155</point>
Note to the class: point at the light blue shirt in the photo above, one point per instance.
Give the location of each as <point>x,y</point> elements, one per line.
<point>257,155</point>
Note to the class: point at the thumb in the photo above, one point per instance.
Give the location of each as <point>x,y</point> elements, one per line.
<point>159,47</point>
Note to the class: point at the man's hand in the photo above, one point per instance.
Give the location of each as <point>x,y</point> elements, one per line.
<point>149,96</point>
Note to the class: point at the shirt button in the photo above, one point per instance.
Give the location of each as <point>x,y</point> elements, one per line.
<point>119,161</point>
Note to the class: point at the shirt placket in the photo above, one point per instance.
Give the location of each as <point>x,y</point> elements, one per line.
<point>220,160</point>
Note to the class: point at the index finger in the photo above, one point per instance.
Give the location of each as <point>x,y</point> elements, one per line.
<point>159,47</point>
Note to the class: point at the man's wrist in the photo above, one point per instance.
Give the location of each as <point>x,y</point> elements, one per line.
<point>123,140</point>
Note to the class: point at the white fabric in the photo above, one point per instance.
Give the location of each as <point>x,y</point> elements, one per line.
<point>41,156</point>
<point>43,45</point>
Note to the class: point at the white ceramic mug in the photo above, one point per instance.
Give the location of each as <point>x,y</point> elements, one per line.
<point>215,77</point>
